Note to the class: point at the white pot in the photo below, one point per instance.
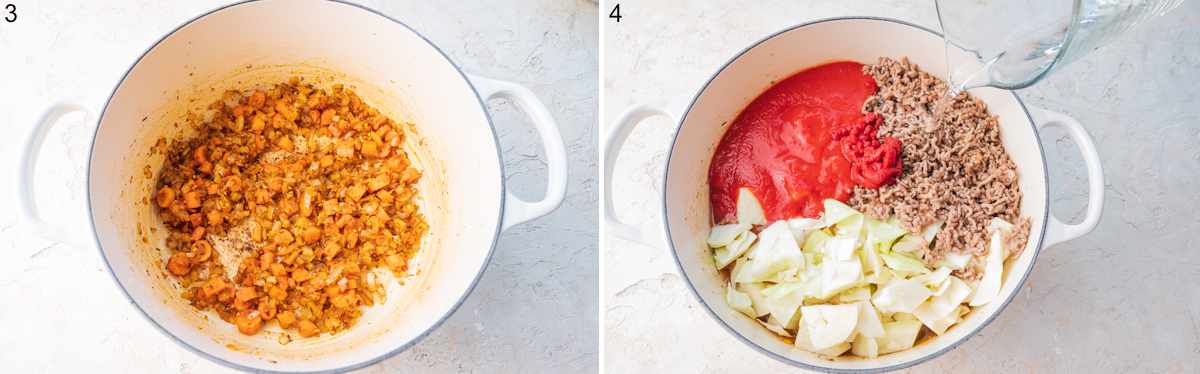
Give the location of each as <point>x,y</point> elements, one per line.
<point>686,212</point>
<point>394,69</point>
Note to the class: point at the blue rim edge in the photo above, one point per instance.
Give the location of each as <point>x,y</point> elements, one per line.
<point>780,358</point>
<point>407,345</point>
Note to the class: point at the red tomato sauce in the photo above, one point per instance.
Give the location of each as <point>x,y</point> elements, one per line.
<point>873,163</point>
<point>803,140</point>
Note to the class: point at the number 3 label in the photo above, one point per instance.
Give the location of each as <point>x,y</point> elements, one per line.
<point>12,13</point>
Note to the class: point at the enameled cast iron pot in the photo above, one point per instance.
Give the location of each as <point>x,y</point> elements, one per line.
<point>394,69</point>
<point>685,209</point>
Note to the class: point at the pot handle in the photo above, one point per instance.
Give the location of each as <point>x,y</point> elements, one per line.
<point>33,145</point>
<point>517,210</point>
<point>1058,231</point>
<point>612,147</point>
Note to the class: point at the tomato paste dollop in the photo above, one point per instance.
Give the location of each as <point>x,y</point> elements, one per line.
<point>803,140</point>
<point>873,163</point>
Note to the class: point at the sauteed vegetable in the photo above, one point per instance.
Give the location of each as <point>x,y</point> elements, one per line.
<point>284,203</point>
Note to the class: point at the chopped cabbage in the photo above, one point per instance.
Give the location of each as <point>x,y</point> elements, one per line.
<point>881,235</point>
<point>872,264</point>
<point>933,313</point>
<point>911,244</point>
<point>836,211</point>
<point>903,317</point>
<point>802,342</point>
<point>883,276</point>
<point>853,295</point>
<point>989,285</point>
<point>834,351</point>
<point>847,282</point>
<point>783,305</point>
<point>865,347</point>
<point>786,276</point>
<point>829,325</point>
<point>999,224</point>
<point>774,252</point>
<point>726,255</point>
<point>869,323</point>
<point>739,301</point>
<point>839,248</point>
<point>851,227</point>
<point>781,290</point>
<point>738,267</point>
<point>838,276</point>
<point>757,299</point>
<point>956,261</point>
<point>812,259</point>
<point>749,211</point>
<point>722,235</point>
<point>816,241</point>
<point>901,295</point>
<point>940,326</point>
<point>899,262</point>
<point>774,326</point>
<point>802,226</point>
<point>942,288</point>
<point>898,336</point>
<point>934,280</point>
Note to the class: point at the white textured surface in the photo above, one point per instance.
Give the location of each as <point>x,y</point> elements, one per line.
<point>534,309</point>
<point>1121,299</point>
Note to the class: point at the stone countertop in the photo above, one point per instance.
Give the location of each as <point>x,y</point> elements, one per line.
<point>534,310</point>
<point>1117,300</point>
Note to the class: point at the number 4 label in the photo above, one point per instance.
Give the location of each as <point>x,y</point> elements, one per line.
<point>615,13</point>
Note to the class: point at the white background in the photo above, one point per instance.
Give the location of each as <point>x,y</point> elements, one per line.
<point>534,309</point>
<point>1122,299</point>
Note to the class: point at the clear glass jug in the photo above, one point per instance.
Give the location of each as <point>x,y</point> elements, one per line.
<point>1018,42</point>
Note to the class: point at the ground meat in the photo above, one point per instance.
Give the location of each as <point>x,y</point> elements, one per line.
<point>955,168</point>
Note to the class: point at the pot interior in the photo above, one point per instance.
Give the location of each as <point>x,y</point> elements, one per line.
<point>687,211</point>
<point>250,45</point>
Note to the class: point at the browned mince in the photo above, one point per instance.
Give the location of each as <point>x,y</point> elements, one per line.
<point>955,167</point>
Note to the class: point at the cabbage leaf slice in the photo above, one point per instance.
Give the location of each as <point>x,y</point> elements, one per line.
<point>903,263</point>
<point>881,235</point>
<point>739,301</point>
<point>838,276</point>
<point>722,235</point>
<point>757,299</point>
<point>869,322</point>
<point>803,342</point>
<point>801,227</point>
<point>955,260</point>
<point>775,251</point>
<point>837,211</point>
<point>933,313</point>
<point>783,302</point>
<point>901,295</point>
<point>865,347</point>
<point>829,325</point>
<point>898,336</point>
<point>749,210</point>
<point>724,256</point>
<point>989,285</point>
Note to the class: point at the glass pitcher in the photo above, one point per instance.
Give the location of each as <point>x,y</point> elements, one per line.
<point>1018,42</point>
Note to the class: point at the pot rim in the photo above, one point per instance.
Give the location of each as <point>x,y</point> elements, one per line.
<point>679,264</point>
<point>352,366</point>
